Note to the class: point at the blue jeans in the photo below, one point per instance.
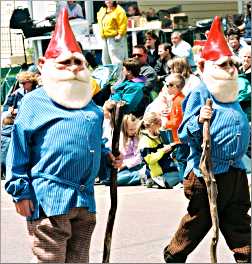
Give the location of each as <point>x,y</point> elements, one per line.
<point>182,153</point>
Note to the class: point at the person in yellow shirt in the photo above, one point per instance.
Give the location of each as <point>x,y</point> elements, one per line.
<point>112,22</point>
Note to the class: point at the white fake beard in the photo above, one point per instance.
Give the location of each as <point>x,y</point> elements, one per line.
<point>222,85</point>
<point>66,88</point>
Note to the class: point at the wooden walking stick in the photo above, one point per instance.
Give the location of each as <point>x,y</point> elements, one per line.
<point>206,169</point>
<point>117,116</point>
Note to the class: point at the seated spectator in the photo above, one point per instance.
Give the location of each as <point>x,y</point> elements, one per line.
<point>140,52</point>
<point>160,103</point>
<point>244,96</point>
<point>174,84</point>
<point>236,31</point>
<point>235,45</point>
<point>161,67</point>
<point>151,44</point>
<point>131,89</point>
<point>244,81</point>
<point>160,167</point>
<point>132,170</point>
<point>181,48</point>
<point>27,82</point>
<point>245,68</point>
<point>180,65</point>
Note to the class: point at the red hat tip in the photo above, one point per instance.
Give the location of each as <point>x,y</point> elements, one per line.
<point>216,45</point>
<point>63,38</point>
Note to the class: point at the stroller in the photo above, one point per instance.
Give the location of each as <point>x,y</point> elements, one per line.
<point>106,76</point>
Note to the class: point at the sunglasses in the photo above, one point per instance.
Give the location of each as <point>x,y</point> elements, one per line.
<point>137,55</point>
<point>169,84</point>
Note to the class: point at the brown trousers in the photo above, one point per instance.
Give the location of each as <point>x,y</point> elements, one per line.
<point>63,238</point>
<point>233,203</point>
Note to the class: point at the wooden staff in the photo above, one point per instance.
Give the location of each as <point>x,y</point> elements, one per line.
<point>206,169</point>
<point>116,117</point>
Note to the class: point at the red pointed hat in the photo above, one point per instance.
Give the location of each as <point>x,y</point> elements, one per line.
<point>63,38</point>
<point>216,45</point>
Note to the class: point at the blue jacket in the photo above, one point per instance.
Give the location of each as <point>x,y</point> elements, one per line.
<point>54,155</point>
<point>229,132</point>
<point>130,91</point>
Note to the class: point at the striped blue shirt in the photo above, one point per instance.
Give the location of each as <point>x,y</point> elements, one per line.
<point>229,130</point>
<point>54,155</point>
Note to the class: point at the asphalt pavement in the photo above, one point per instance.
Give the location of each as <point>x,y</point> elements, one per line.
<point>146,219</point>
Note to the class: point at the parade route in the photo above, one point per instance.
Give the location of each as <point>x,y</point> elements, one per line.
<point>145,221</point>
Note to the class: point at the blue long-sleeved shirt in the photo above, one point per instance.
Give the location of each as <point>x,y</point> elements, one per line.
<point>229,130</point>
<point>54,155</point>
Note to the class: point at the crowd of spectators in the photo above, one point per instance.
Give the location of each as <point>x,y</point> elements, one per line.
<point>156,78</point>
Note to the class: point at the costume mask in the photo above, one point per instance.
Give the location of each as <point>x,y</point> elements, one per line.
<point>220,81</point>
<point>67,84</point>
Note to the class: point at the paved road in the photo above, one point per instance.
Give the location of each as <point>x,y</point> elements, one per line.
<point>146,220</point>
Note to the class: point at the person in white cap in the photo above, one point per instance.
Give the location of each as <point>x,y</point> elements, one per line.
<point>55,152</point>
<point>229,130</point>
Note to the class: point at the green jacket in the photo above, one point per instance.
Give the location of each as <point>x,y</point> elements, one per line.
<point>244,96</point>
<point>130,91</point>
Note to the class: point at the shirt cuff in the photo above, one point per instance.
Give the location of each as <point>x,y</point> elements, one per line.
<point>19,190</point>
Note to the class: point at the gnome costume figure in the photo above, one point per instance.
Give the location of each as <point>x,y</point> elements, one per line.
<point>229,130</point>
<point>54,154</point>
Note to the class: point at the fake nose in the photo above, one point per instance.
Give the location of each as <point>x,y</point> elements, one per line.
<point>73,68</point>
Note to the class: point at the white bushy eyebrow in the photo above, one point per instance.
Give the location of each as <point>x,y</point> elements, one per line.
<point>69,55</point>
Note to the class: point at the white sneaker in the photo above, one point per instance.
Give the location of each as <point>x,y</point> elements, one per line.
<point>159,180</point>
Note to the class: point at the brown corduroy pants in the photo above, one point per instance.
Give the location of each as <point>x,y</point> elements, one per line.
<point>63,238</point>
<point>233,203</point>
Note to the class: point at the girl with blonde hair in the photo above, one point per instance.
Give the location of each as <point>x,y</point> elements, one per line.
<point>160,166</point>
<point>131,169</point>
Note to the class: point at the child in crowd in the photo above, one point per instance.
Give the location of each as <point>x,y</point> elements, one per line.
<point>172,117</point>
<point>131,89</point>
<point>132,167</point>
<point>160,167</point>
